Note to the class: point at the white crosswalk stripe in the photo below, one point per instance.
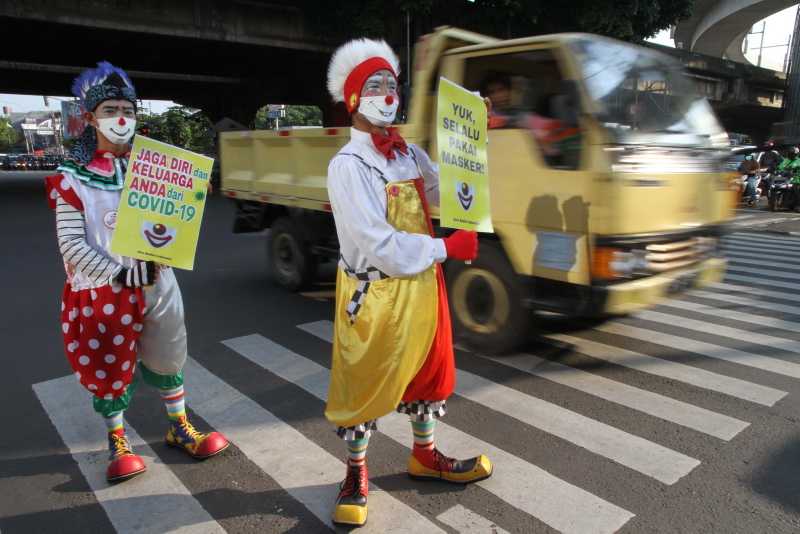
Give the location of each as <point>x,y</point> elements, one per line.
<point>763,244</point>
<point>555,502</point>
<point>159,496</point>
<point>771,273</point>
<point>751,301</point>
<point>687,374</point>
<point>466,521</point>
<point>631,451</point>
<point>760,281</point>
<point>761,262</point>
<point>735,253</point>
<point>777,237</point>
<point>742,317</point>
<point>277,448</point>
<point>768,364</point>
<point>774,252</point>
<point>675,411</point>
<point>751,293</point>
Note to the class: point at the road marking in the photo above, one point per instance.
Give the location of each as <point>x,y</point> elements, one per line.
<point>523,485</point>
<point>776,237</point>
<point>743,217</point>
<point>764,222</point>
<point>736,267</point>
<point>740,260</point>
<point>763,362</point>
<point>154,502</point>
<point>751,292</point>
<point>751,302</point>
<point>304,469</point>
<point>675,411</point>
<point>742,247</point>
<point>634,452</point>
<point>465,521</point>
<point>744,317</point>
<point>687,374</point>
<point>737,257</point>
<point>761,281</point>
<point>765,242</point>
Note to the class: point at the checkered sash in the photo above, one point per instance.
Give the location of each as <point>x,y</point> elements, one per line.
<point>365,278</point>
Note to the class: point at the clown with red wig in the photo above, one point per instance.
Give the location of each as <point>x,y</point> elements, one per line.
<point>392,347</point>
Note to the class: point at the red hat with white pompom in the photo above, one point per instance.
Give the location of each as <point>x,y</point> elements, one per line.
<point>353,63</point>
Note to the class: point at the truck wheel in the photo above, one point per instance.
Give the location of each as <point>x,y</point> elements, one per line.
<point>289,258</point>
<point>486,302</point>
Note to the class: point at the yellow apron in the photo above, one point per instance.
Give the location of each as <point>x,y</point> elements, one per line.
<point>379,351</point>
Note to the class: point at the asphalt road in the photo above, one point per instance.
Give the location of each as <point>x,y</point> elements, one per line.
<point>680,419</point>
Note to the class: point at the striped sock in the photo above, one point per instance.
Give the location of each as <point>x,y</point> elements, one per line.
<point>173,400</point>
<point>423,440</point>
<point>357,451</point>
<point>114,422</point>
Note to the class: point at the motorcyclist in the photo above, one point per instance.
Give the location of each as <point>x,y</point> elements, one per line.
<point>790,168</point>
<point>750,168</point>
<point>770,159</point>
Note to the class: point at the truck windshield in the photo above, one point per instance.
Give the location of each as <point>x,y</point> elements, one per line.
<point>637,92</point>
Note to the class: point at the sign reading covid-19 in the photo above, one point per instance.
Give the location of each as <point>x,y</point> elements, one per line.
<point>162,204</point>
<point>461,126</point>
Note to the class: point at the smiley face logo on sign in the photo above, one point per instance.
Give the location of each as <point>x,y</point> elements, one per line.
<point>157,235</point>
<point>466,194</point>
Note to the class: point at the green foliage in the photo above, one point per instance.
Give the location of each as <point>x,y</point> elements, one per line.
<point>295,116</point>
<point>182,127</point>
<point>632,20</point>
<point>8,136</point>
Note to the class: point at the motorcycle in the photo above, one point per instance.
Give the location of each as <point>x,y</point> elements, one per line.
<point>783,194</point>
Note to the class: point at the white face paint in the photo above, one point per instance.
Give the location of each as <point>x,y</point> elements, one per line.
<point>379,100</point>
<point>118,130</point>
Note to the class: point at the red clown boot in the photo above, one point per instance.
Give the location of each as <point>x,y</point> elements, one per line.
<point>124,464</point>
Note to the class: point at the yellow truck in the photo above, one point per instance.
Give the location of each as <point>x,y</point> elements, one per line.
<point>607,182</point>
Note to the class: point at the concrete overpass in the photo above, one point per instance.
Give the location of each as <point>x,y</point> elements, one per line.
<point>718,27</point>
<point>225,57</point>
<point>229,57</point>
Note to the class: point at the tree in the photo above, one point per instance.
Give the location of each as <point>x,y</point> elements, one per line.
<point>631,20</point>
<point>183,127</point>
<point>8,135</point>
<point>295,116</point>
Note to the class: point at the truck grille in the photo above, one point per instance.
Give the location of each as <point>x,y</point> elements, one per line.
<point>663,257</point>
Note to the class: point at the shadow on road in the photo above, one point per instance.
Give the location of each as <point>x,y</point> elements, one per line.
<point>778,479</point>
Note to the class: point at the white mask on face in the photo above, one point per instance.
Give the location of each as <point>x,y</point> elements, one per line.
<point>379,110</point>
<point>118,130</point>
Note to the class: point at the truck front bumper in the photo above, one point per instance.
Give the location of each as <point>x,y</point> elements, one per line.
<point>627,297</point>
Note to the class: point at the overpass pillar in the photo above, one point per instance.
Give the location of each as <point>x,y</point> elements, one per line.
<point>791,97</point>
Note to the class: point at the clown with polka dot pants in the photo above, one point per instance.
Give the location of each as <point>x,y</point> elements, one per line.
<point>118,314</point>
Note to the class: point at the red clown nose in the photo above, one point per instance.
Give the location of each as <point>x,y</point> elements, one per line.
<point>121,121</point>
<point>389,100</point>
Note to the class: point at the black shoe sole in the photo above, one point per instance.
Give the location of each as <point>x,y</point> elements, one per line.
<point>456,482</point>
<point>125,477</point>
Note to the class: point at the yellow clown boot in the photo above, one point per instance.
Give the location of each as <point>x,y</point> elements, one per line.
<point>427,463</point>
<point>351,504</point>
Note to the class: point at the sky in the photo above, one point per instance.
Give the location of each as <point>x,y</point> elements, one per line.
<point>23,103</point>
<point>776,36</point>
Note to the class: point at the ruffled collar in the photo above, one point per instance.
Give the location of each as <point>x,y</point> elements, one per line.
<point>104,170</point>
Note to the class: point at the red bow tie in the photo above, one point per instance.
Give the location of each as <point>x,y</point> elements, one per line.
<point>387,144</point>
